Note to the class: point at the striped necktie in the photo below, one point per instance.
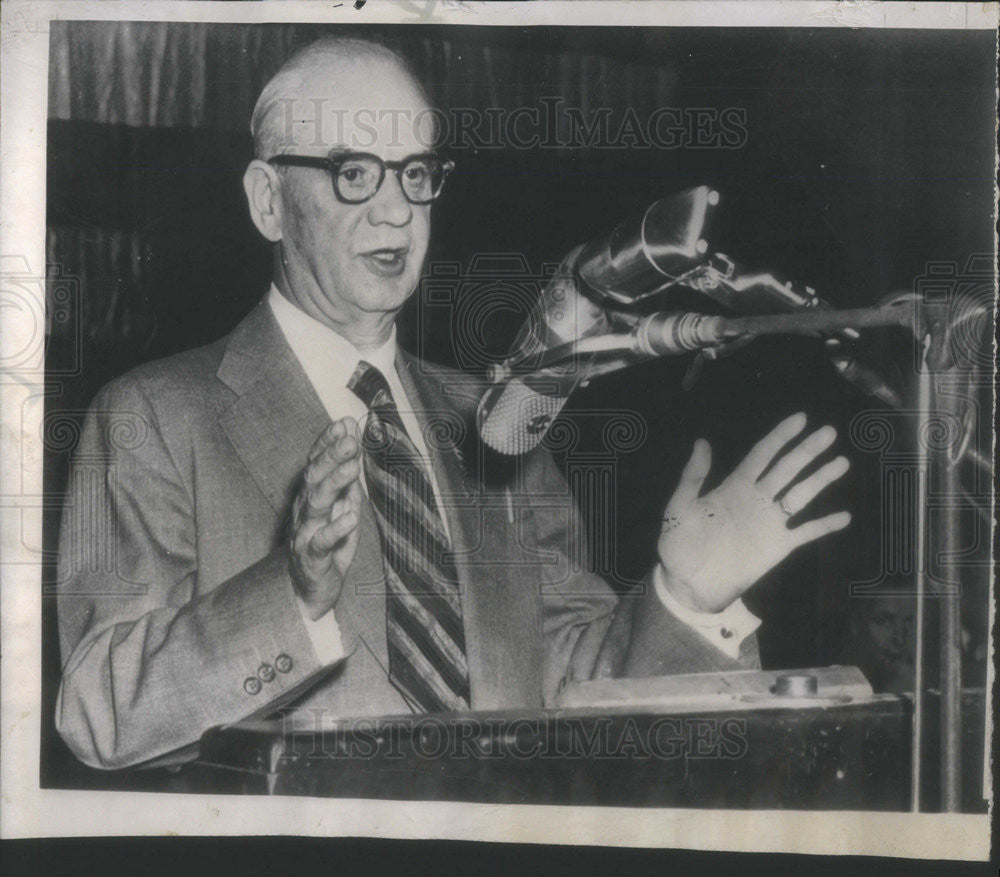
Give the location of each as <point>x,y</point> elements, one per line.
<point>426,640</point>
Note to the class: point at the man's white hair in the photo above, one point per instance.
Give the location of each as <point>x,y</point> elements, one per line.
<point>269,122</point>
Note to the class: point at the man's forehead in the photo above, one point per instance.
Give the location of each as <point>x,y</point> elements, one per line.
<point>361,104</point>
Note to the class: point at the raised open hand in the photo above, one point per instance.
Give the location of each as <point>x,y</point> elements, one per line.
<point>325,517</point>
<point>714,547</point>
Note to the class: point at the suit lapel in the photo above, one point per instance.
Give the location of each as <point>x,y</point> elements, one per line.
<point>277,417</point>
<point>498,607</point>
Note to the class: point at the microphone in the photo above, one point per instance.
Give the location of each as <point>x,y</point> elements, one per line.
<point>645,255</point>
<point>639,258</point>
<point>589,309</point>
<point>514,417</point>
<point>515,414</point>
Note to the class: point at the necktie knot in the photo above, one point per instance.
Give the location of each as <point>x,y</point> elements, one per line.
<point>370,386</point>
<point>384,432</point>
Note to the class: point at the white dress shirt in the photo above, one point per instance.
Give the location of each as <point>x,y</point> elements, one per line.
<point>329,360</point>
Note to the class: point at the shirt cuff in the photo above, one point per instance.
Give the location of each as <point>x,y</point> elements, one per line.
<point>324,634</point>
<point>725,630</point>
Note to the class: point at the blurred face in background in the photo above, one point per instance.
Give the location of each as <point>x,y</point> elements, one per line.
<point>883,641</point>
<point>889,626</point>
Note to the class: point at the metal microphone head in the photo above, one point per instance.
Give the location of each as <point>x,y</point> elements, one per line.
<point>513,418</point>
<point>515,414</point>
<point>647,253</point>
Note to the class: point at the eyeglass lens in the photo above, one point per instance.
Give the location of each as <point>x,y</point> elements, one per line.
<point>358,178</point>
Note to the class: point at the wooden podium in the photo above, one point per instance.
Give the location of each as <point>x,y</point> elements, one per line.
<point>816,739</point>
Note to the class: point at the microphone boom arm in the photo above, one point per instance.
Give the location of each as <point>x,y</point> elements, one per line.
<point>671,334</point>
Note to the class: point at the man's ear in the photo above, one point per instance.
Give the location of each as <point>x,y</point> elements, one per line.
<point>263,191</point>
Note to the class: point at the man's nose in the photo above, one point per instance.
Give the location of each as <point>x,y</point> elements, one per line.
<point>389,204</point>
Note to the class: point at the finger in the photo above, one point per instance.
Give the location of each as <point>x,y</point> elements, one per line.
<point>338,508</point>
<point>347,448</point>
<point>352,428</point>
<point>342,449</point>
<point>762,453</point>
<point>789,467</point>
<point>812,530</point>
<point>355,495</point>
<point>325,539</point>
<point>806,491</point>
<point>693,477</point>
<point>320,497</point>
<point>323,455</point>
<point>326,438</point>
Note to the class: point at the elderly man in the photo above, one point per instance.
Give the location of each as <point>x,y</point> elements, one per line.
<point>266,551</point>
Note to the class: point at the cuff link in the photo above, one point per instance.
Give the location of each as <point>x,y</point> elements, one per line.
<point>726,633</point>
<point>252,685</point>
<point>265,672</point>
<point>283,663</point>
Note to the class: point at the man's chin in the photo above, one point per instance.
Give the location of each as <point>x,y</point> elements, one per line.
<point>382,294</point>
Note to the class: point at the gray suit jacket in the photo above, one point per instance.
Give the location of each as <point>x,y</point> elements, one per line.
<point>176,610</point>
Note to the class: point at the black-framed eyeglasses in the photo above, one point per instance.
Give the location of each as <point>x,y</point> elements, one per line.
<point>357,176</point>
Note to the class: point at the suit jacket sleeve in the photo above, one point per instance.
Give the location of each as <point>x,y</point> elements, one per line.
<point>148,662</point>
<point>588,630</point>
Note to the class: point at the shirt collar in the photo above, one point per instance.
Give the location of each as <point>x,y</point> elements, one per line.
<point>317,346</point>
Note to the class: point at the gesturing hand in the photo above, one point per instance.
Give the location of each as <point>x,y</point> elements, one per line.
<point>325,517</point>
<point>714,547</point>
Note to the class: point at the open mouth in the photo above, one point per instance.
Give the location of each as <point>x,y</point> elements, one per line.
<point>386,261</point>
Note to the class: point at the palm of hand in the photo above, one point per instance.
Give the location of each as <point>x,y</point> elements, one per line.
<point>714,547</point>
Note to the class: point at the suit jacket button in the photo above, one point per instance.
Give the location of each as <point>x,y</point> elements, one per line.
<point>283,663</point>
<point>252,685</point>
<point>265,672</point>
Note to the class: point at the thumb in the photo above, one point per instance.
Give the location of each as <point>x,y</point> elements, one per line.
<point>693,476</point>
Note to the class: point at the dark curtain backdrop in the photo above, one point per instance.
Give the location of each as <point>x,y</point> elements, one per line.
<point>869,153</point>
